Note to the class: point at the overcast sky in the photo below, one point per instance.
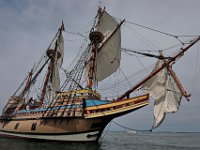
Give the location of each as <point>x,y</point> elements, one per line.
<point>27,27</point>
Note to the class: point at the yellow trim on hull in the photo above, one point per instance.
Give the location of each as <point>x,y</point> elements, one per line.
<point>115,111</point>
<point>117,103</point>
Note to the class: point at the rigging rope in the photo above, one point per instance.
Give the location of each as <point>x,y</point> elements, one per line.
<point>109,125</point>
<point>133,78</point>
<point>124,127</point>
<point>125,77</point>
<point>165,33</point>
<point>145,41</point>
<point>196,74</point>
<point>168,34</point>
<point>177,37</point>
<point>147,54</point>
<point>76,33</point>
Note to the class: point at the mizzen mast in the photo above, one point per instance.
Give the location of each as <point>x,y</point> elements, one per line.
<point>54,55</point>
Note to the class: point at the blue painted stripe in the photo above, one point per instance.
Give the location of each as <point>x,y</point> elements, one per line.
<point>95,102</point>
<point>88,104</point>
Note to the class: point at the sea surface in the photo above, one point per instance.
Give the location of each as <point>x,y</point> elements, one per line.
<point>115,141</point>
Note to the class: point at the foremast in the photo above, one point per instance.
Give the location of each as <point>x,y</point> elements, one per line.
<point>171,61</point>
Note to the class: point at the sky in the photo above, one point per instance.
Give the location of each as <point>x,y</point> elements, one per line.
<point>27,27</point>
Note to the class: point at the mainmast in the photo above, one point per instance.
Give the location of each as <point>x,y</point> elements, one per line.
<point>96,37</point>
<point>105,48</point>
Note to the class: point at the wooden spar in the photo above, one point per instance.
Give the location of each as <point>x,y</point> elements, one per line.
<point>176,57</point>
<point>29,78</point>
<point>92,67</point>
<point>46,83</point>
<point>33,79</point>
<point>173,74</point>
<point>185,94</point>
<point>111,35</point>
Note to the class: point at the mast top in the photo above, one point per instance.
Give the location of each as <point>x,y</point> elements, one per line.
<point>62,27</point>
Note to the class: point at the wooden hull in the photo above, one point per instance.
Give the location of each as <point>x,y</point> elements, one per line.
<point>88,127</point>
<point>65,129</point>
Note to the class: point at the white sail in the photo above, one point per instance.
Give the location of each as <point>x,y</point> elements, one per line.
<point>109,52</point>
<point>60,49</point>
<point>109,56</point>
<point>166,93</point>
<point>57,63</point>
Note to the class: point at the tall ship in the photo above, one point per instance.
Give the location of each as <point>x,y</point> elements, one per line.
<point>46,107</point>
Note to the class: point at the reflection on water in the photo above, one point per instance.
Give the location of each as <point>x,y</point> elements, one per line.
<point>19,144</point>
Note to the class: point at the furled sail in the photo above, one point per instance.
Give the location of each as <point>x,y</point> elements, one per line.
<point>57,63</point>
<point>166,93</point>
<point>109,52</point>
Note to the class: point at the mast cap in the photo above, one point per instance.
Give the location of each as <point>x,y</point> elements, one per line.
<point>96,37</point>
<point>51,53</point>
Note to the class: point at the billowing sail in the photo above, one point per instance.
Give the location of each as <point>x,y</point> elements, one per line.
<point>109,52</point>
<point>166,93</point>
<point>58,60</point>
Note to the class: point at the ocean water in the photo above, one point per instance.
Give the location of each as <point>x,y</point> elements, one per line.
<point>115,141</point>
